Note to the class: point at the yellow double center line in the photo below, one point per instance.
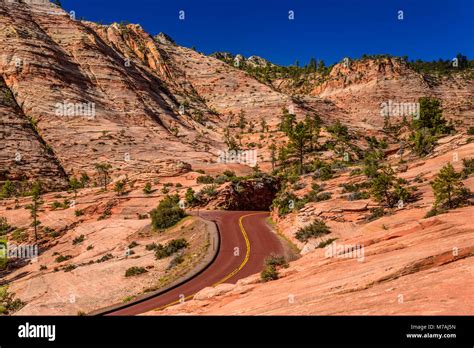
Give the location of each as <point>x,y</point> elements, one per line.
<point>231,274</point>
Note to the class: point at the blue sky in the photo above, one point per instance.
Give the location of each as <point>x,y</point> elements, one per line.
<point>329,30</point>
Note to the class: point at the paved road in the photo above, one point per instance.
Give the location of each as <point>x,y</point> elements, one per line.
<point>246,231</point>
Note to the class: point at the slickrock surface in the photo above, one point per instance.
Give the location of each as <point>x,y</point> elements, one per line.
<point>23,156</point>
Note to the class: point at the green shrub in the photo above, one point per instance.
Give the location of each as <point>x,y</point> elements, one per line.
<point>4,226</point>
<point>151,246</point>
<point>147,188</point>
<point>276,260</point>
<point>285,202</point>
<point>8,190</point>
<point>205,179</point>
<point>69,268</point>
<point>209,190</point>
<point>134,271</point>
<point>78,240</point>
<point>229,173</point>
<point>178,259</point>
<point>269,273</point>
<point>316,229</point>
<point>433,212</point>
<point>221,179</point>
<point>326,242</point>
<point>79,212</point>
<point>132,245</point>
<point>9,305</point>
<point>62,258</point>
<point>190,197</point>
<point>168,213</point>
<point>173,246</point>
<point>470,131</point>
<point>104,258</point>
<point>468,167</point>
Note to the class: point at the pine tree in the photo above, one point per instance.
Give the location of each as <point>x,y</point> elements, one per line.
<point>431,117</point>
<point>103,169</point>
<point>273,155</point>
<point>299,138</point>
<point>242,121</point>
<point>74,184</point>
<point>448,189</point>
<point>36,191</point>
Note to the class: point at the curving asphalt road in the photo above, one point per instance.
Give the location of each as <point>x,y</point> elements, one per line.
<point>246,231</point>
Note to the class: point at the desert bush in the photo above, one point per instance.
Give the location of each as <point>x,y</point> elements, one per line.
<point>132,245</point>
<point>276,260</point>
<point>134,271</point>
<point>229,173</point>
<point>326,242</point>
<point>151,246</point>
<point>177,259</point>
<point>209,190</point>
<point>168,213</point>
<point>163,251</point>
<point>221,179</point>
<point>78,239</point>
<point>147,188</point>
<point>190,197</point>
<point>205,179</point>
<point>468,167</point>
<point>269,273</point>
<point>9,305</point>
<point>285,202</point>
<point>4,226</point>
<point>314,230</point>
<point>8,190</point>
<point>69,268</point>
<point>62,258</point>
<point>104,258</point>
<point>120,187</point>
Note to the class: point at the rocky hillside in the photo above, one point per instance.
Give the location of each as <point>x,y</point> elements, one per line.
<point>23,155</point>
<point>88,104</point>
<point>360,87</point>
